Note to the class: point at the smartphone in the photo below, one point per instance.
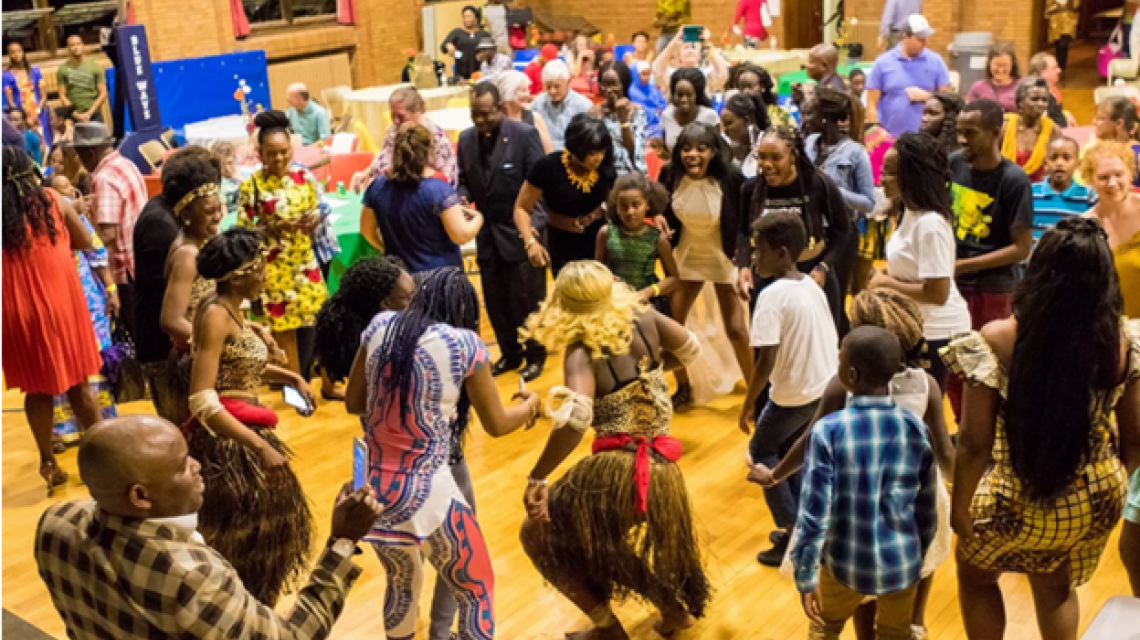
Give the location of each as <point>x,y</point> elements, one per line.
<point>692,33</point>
<point>522,385</point>
<point>359,463</point>
<point>294,399</point>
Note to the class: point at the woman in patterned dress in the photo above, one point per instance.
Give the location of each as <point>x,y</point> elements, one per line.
<point>102,298</point>
<point>415,379</point>
<point>284,202</point>
<point>1039,478</point>
<point>619,522</point>
<point>254,512</point>
<point>24,90</point>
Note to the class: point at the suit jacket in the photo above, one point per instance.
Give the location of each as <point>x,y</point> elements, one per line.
<point>113,577</point>
<point>494,188</point>
<point>730,187</point>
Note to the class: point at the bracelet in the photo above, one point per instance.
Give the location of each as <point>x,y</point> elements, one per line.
<point>356,550</point>
<point>656,289</point>
<point>542,482</point>
<point>822,265</point>
<point>527,244</point>
<point>111,288</point>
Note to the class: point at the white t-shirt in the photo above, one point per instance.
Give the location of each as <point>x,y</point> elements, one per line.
<point>794,315</point>
<point>922,248</point>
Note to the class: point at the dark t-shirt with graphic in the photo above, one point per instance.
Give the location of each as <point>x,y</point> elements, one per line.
<point>988,207</point>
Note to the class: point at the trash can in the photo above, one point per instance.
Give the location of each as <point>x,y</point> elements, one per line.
<point>968,57</point>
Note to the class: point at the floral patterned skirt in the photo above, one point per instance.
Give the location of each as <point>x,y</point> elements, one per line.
<point>294,288</point>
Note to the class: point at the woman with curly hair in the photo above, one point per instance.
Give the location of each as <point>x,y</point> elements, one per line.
<point>1041,470</point>
<point>599,532</point>
<point>413,216</point>
<point>49,345</point>
<point>1109,168</point>
<point>940,119</point>
<point>416,377</point>
<point>254,512</point>
<point>283,202</point>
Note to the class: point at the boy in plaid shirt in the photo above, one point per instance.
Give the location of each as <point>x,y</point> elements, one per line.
<point>867,511</point>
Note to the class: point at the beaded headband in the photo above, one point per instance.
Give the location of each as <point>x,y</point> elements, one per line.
<point>207,189</point>
<point>583,306</point>
<point>247,268</point>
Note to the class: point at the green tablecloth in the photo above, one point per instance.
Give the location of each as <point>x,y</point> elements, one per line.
<point>346,225</point>
<point>788,79</point>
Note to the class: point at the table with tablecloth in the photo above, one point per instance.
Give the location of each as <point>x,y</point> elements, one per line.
<point>788,79</point>
<point>453,121</point>
<point>345,217</point>
<point>370,105</point>
<point>777,61</point>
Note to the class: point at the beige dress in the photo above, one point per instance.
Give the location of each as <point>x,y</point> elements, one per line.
<point>700,254</point>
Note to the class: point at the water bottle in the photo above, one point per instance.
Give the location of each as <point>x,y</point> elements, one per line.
<point>772,42</point>
<point>340,190</point>
<point>718,101</point>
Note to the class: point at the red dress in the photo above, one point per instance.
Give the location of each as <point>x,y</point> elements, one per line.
<point>49,342</point>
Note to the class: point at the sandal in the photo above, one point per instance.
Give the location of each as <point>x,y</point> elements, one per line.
<point>53,476</point>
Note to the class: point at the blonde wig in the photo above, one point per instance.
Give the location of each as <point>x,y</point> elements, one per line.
<point>587,306</point>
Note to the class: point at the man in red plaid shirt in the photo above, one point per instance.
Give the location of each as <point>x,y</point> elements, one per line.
<point>119,193</point>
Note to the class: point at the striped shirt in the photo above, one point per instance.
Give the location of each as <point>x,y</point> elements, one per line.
<point>867,508</point>
<point>1049,206</point>
<point>120,195</point>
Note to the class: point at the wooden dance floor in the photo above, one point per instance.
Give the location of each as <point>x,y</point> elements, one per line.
<point>751,601</point>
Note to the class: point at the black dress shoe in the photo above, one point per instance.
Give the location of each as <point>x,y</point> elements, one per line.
<point>503,365</point>
<point>775,556</point>
<point>778,536</point>
<point>532,371</point>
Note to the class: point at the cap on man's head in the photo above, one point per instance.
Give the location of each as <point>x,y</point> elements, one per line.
<point>297,87</point>
<point>486,43</point>
<point>549,51</point>
<point>918,25</point>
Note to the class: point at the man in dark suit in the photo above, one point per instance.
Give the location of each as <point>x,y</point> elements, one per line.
<point>495,157</point>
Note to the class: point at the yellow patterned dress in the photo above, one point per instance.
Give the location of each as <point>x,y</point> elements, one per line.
<point>294,289</point>
<point>1015,533</point>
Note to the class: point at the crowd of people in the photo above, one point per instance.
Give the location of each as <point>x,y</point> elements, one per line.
<point>868,262</point>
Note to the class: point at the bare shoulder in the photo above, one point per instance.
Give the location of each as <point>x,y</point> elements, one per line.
<point>1001,336</point>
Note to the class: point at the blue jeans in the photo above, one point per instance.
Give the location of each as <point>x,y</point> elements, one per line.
<point>777,429</point>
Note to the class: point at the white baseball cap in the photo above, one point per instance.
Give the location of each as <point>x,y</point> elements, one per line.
<point>919,25</point>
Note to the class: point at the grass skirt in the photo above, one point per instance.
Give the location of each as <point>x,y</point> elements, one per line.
<point>259,521</point>
<point>597,536</point>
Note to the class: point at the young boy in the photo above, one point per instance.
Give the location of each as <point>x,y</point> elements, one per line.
<point>868,513</point>
<point>795,338</point>
<point>1058,195</point>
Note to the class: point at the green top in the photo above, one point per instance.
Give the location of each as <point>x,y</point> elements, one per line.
<point>633,258</point>
<point>311,123</point>
<point>81,83</point>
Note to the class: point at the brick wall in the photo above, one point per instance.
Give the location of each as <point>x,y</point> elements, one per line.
<point>1009,20</point>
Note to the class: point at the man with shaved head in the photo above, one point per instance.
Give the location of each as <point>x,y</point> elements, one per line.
<point>822,64</point>
<point>131,564</point>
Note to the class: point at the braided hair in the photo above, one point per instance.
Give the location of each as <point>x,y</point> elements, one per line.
<point>346,314</point>
<point>952,105</point>
<point>1070,295</point>
<point>751,108</point>
<point>26,206</point>
<point>924,174</point>
<point>270,123</point>
<point>443,296</point>
<point>896,313</point>
<point>794,140</point>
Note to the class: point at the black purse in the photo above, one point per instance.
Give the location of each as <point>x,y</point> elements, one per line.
<point>122,369</point>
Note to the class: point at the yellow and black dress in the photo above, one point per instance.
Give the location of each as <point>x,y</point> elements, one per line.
<point>258,519</point>
<point>1018,534</point>
<point>618,535</point>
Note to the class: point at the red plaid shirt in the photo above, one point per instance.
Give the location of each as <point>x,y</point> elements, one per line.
<point>120,194</point>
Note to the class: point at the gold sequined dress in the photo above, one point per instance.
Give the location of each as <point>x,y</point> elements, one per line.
<point>598,533</point>
<point>258,519</point>
<point>1015,533</point>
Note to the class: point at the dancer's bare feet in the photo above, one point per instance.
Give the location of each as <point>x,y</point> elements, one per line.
<point>673,621</point>
<point>612,632</point>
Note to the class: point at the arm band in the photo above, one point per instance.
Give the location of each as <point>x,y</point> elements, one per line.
<point>205,405</point>
<point>574,409</point>
<point>690,351</point>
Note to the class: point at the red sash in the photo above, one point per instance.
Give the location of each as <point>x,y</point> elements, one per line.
<point>246,413</point>
<point>668,447</point>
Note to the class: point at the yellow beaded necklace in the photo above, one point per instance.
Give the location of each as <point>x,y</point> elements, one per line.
<point>580,182</point>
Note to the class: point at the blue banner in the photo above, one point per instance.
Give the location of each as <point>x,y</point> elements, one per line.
<point>135,72</point>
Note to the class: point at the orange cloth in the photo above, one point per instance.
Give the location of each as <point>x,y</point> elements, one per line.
<point>49,341</point>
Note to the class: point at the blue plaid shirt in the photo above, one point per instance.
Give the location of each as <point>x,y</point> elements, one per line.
<point>867,508</point>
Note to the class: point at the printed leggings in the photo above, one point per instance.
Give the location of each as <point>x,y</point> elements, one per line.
<point>458,552</point>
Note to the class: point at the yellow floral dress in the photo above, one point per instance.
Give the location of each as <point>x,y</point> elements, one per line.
<point>294,289</point>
